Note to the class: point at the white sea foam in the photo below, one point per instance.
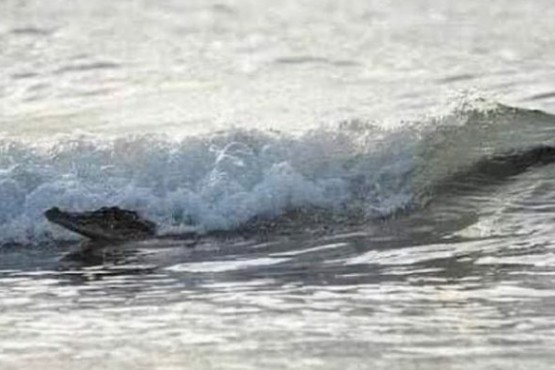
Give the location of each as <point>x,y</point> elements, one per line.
<point>222,180</point>
<point>214,181</point>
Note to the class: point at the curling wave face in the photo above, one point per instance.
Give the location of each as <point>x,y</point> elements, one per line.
<point>222,180</point>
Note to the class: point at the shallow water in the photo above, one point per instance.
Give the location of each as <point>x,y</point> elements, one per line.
<point>418,291</point>
<point>407,294</point>
<point>424,238</point>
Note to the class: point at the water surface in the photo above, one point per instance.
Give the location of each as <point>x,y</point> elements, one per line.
<point>410,230</point>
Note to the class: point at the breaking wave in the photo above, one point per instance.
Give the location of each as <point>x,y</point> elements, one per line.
<point>225,179</point>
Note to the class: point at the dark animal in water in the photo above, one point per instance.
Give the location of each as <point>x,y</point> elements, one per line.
<point>116,224</point>
<point>107,223</point>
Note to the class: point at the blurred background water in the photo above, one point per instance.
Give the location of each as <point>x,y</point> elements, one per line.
<point>199,65</point>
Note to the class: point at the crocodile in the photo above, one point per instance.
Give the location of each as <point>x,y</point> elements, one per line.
<point>104,224</point>
<point>117,224</point>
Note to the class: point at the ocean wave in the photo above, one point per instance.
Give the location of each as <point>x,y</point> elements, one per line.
<point>225,179</point>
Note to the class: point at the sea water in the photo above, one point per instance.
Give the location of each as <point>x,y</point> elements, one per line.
<point>389,149</point>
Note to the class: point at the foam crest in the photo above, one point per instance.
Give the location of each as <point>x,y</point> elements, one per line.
<point>223,180</point>
<point>216,181</point>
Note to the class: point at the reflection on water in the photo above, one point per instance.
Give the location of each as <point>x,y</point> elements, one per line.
<point>387,296</point>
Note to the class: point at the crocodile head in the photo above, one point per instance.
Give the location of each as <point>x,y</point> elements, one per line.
<point>107,223</point>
